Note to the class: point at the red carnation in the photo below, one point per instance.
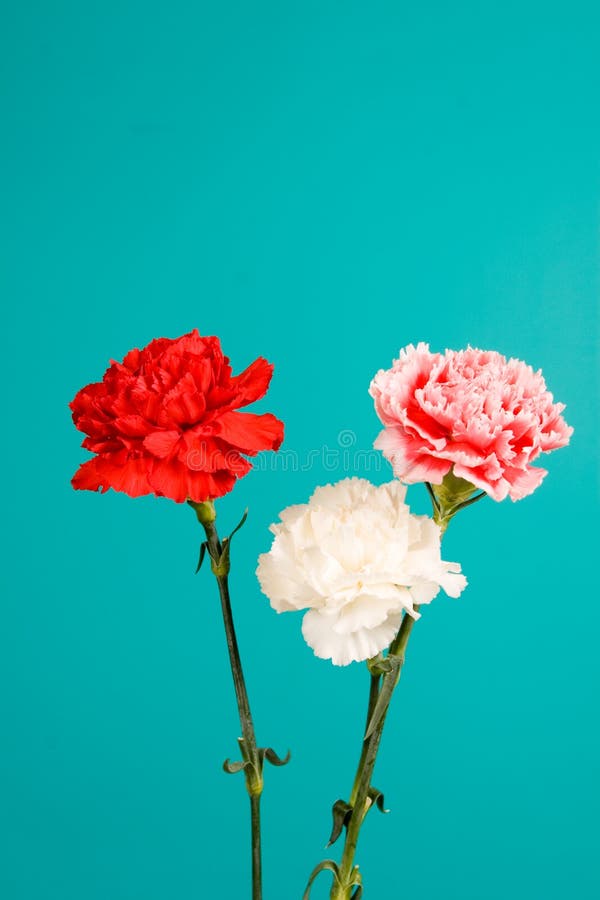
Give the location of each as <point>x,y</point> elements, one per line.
<point>165,421</point>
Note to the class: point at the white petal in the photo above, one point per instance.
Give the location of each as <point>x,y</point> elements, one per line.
<point>283,580</point>
<point>424,591</point>
<point>368,611</point>
<point>451,580</point>
<point>344,649</point>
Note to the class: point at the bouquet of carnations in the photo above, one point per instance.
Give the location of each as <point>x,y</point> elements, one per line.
<point>467,424</point>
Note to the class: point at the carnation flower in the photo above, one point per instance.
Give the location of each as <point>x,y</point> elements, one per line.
<point>357,559</point>
<point>165,421</point>
<point>473,410</point>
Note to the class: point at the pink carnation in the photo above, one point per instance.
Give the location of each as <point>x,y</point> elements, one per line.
<point>471,409</point>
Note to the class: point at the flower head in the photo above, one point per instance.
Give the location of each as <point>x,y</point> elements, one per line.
<point>165,421</point>
<point>356,558</point>
<point>473,410</point>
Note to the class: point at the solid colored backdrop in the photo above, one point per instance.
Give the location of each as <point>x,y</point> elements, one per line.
<point>321,183</point>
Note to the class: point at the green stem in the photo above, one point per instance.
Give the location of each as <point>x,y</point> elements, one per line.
<point>253,771</point>
<point>256,851</point>
<point>342,887</point>
<point>373,695</point>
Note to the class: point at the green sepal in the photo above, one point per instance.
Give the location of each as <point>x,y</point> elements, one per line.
<point>205,511</point>
<point>341,812</point>
<point>203,549</point>
<point>449,497</point>
<point>328,865</point>
<point>452,491</point>
<point>376,798</point>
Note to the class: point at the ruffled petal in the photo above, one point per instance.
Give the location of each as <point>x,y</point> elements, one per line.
<point>162,443</point>
<point>249,432</point>
<point>173,479</point>
<point>524,482</point>
<point>129,476</point>
<point>252,384</point>
<point>342,649</point>
<point>411,462</point>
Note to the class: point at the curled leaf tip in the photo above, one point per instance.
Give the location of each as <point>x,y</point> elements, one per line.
<point>377,799</point>
<point>341,812</point>
<point>232,768</point>
<point>269,754</point>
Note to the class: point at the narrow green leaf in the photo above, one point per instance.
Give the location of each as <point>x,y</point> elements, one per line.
<point>203,547</point>
<point>327,865</point>
<point>239,525</point>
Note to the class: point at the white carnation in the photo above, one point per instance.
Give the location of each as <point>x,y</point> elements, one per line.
<point>356,558</point>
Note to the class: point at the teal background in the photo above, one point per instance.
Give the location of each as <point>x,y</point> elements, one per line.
<point>321,183</point>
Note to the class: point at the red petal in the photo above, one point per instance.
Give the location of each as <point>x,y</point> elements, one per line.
<point>183,405</point>
<point>249,432</point>
<point>131,425</point>
<point>86,478</point>
<point>252,383</point>
<point>96,427</point>
<point>102,445</point>
<point>87,404</point>
<point>175,480</point>
<point>202,453</point>
<point>219,397</point>
<point>129,476</point>
<point>132,360</point>
<point>162,443</point>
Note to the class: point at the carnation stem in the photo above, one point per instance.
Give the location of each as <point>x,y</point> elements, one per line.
<point>359,799</point>
<point>382,686</point>
<point>373,695</point>
<point>232,644</point>
<point>256,849</point>
<point>251,758</point>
